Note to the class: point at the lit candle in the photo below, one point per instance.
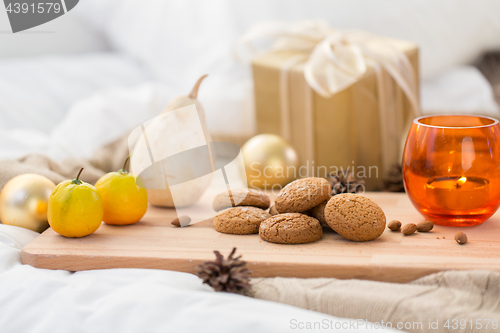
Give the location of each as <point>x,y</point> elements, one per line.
<point>457,193</point>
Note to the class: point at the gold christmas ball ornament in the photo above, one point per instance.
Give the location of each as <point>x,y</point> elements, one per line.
<point>270,161</point>
<point>24,201</point>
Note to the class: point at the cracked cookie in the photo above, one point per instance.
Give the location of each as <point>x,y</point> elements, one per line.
<point>273,210</point>
<point>302,194</point>
<point>290,228</point>
<point>355,217</point>
<point>241,197</point>
<point>240,220</point>
<point>318,213</point>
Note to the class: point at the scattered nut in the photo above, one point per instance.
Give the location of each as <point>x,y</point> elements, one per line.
<point>409,228</point>
<point>182,221</point>
<point>273,211</point>
<point>425,226</point>
<point>394,225</point>
<point>461,238</point>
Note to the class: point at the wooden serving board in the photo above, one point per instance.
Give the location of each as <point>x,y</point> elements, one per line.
<point>155,243</point>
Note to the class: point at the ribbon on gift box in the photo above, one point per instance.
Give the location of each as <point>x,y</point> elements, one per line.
<point>334,60</point>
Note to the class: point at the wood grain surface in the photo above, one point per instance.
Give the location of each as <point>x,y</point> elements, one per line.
<point>155,243</point>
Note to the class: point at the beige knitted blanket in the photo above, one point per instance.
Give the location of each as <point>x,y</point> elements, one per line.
<point>453,301</point>
<point>108,158</point>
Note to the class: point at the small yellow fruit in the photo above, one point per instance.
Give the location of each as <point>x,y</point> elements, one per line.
<point>124,202</point>
<point>75,208</point>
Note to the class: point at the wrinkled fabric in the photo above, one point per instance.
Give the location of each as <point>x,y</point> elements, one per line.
<point>133,300</point>
<point>106,159</point>
<point>463,296</point>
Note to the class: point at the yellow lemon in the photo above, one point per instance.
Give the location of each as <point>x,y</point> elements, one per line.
<point>124,202</point>
<point>75,208</point>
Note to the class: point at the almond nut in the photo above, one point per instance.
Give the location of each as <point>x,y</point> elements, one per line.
<point>425,226</point>
<point>181,221</point>
<point>394,225</point>
<point>409,228</point>
<point>460,237</point>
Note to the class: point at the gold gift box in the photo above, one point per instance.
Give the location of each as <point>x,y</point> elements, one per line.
<point>345,129</point>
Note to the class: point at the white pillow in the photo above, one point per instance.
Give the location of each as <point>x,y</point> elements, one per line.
<point>179,40</point>
<point>36,93</point>
<point>90,123</point>
<point>459,90</point>
<point>66,34</point>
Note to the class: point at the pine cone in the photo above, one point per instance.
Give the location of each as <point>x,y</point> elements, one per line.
<point>344,182</point>
<point>230,275</point>
<point>394,181</point>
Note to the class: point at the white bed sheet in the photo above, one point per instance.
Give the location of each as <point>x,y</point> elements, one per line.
<point>69,106</point>
<point>36,93</point>
<point>132,300</point>
<point>459,90</point>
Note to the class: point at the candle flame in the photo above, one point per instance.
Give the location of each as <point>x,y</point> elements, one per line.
<point>461,181</point>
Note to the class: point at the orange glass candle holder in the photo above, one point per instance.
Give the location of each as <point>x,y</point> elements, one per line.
<point>451,168</point>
